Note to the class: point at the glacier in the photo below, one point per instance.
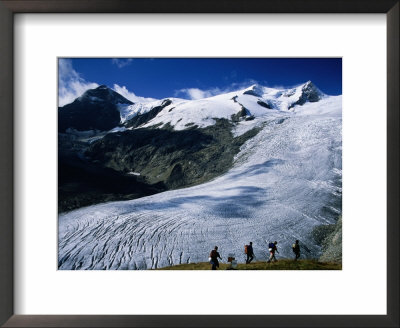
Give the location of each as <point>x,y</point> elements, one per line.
<point>284,181</point>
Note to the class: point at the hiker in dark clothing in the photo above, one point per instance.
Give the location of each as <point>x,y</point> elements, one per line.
<point>214,255</point>
<point>296,250</point>
<point>272,249</point>
<point>250,253</point>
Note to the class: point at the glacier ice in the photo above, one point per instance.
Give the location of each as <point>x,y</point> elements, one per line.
<point>285,181</point>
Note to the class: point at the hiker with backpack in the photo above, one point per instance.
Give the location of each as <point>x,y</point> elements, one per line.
<point>214,255</point>
<point>248,250</point>
<point>272,249</point>
<point>296,250</point>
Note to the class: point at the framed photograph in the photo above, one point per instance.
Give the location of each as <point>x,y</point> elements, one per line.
<point>250,148</point>
<point>182,169</point>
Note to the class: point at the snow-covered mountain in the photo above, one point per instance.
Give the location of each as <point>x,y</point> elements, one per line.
<point>245,104</point>
<point>262,164</point>
<point>248,103</point>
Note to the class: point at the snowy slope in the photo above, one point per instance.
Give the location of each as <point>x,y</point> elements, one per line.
<point>256,101</point>
<point>129,111</point>
<point>285,181</point>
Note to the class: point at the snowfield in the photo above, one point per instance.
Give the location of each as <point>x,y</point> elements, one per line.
<point>180,114</point>
<point>284,181</point>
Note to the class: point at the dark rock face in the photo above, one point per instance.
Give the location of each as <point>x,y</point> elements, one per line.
<point>103,93</point>
<point>252,92</point>
<point>264,104</point>
<point>309,93</point>
<point>174,158</point>
<point>176,178</point>
<point>255,91</point>
<point>243,114</point>
<point>329,237</point>
<point>83,183</point>
<point>139,120</point>
<point>96,109</point>
<point>240,115</point>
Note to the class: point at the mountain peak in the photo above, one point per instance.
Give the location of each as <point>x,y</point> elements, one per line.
<point>254,90</point>
<point>309,85</point>
<point>103,93</point>
<point>96,109</point>
<point>312,91</point>
<point>308,92</point>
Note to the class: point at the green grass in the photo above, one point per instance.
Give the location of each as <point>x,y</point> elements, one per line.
<point>283,264</point>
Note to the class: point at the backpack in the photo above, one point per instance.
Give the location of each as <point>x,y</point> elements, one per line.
<point>271,245</point>
<point>213,253</point>
<point>245,248</point>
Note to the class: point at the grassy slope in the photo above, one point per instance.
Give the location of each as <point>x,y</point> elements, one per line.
<point>284,264</point>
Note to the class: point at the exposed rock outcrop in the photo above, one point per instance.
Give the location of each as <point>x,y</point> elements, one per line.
<point>330,239</point>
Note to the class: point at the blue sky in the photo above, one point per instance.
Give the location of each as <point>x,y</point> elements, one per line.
<point>193,78</point>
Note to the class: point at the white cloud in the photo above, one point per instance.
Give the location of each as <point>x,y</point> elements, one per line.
<point>70,84</point>
<point>195,93</point>
<point>121,62</point>
<point>123,91</point>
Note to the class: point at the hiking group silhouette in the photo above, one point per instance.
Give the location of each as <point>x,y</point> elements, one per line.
<point>248,250</point>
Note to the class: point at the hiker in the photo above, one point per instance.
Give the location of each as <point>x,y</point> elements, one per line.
<point>296,250</point>
<point>272,249</point>
<point>248,249</point>
<point>214,255</point>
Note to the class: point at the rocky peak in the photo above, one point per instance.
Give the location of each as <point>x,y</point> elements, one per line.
<point>103,93</point>
<point>96,109</point>
<point>310,92</point>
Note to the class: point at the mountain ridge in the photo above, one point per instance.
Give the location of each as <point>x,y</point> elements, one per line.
<point>102,101</point>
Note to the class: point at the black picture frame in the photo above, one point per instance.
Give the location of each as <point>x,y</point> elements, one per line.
<point>10,7</point>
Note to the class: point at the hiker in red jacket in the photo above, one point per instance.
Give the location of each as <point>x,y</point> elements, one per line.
<point>214,255</point>
<point>272,249</point>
